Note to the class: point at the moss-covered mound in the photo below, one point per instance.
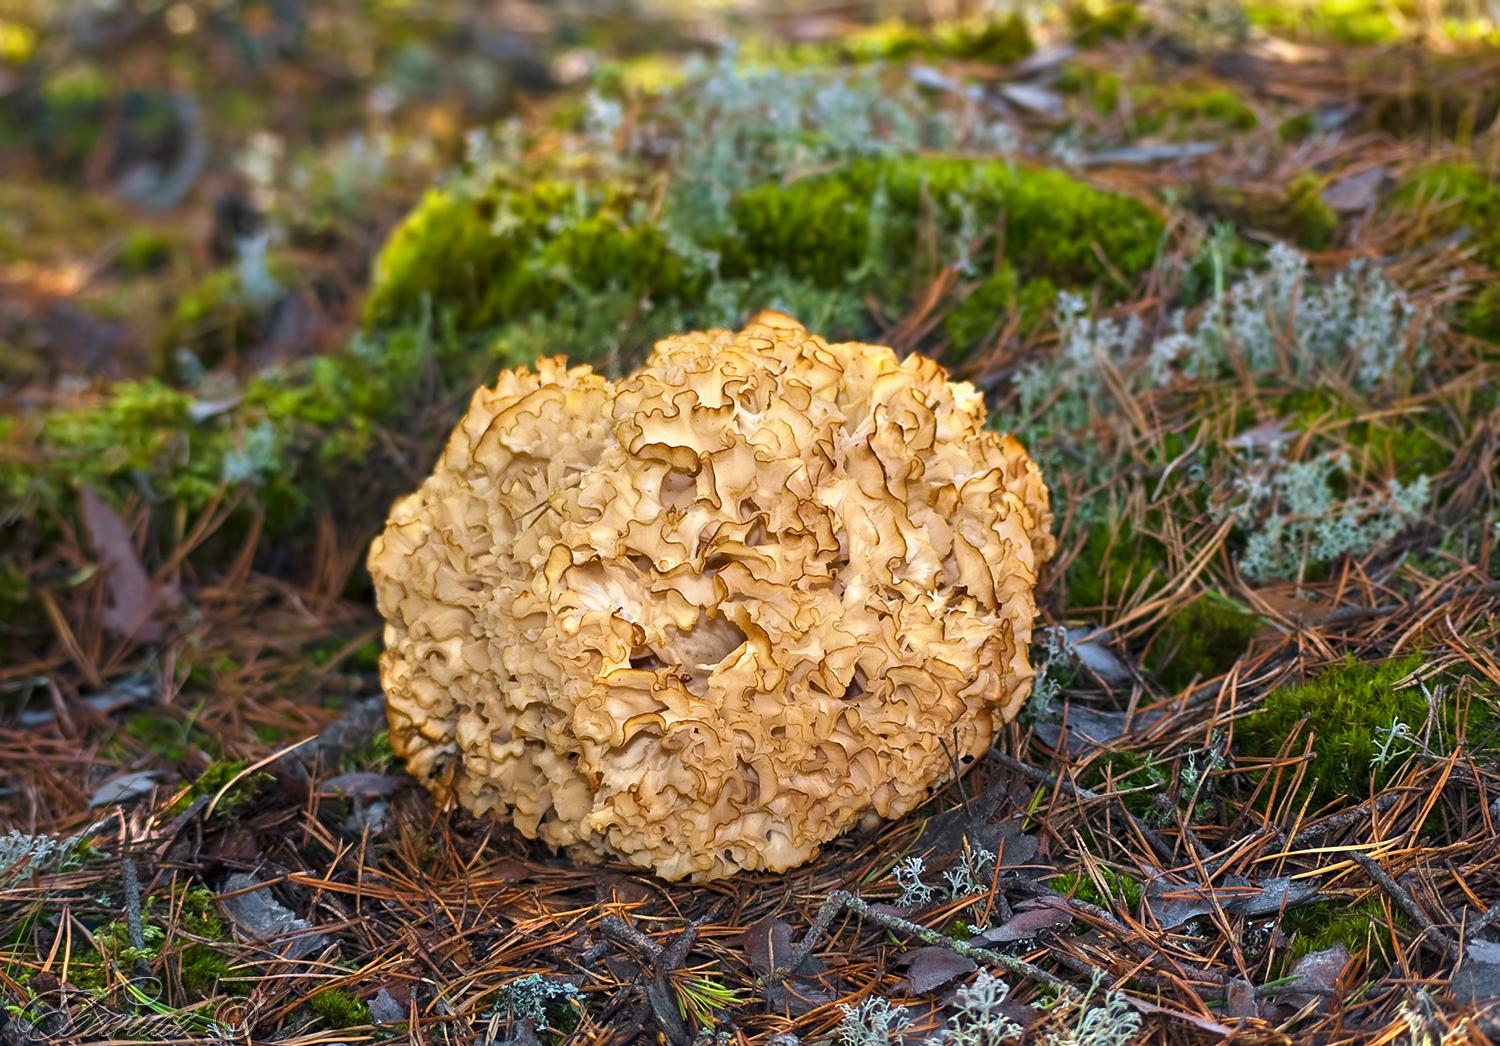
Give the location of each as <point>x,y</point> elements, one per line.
<point>483,256</point>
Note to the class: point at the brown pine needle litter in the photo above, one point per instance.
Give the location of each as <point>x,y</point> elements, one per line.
<point>1255,795</point>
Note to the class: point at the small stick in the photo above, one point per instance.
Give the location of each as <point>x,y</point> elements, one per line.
<point>133,914</point>
<point>839,900</point>
<point>1484,921</point>
<point>1407,902</point>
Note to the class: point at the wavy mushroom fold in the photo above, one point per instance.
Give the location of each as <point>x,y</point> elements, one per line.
<point>707,617</point>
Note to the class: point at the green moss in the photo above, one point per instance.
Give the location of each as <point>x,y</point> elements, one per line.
<point>374,754</point>
<point>218,775</point>
<point>1122,889</point>
<point>1201,641</point>
<point>1093,23</point>
<point>1299,128</point>
<point>1361,928</point>
<point>999,41</point>
<point>489,255</point>
<point>1114,561</point>
<point>1457,195</point>
<point>1185,106</point>
<point>818,239</point>
<point>1403,446</point>
<point>1100,88</point>
<point>144,251</point>
<point>337,1010</point>
<point>167,738</point>
<point>1480,316</point>
<point>1304,215</point>
<point>1349,710</point>
<point>1124,770</point>
<point>192,913</point>
<point>1355,22</point>
<point>202,970</point>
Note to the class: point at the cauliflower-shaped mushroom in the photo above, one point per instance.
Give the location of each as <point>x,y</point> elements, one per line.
<point>709,616</point>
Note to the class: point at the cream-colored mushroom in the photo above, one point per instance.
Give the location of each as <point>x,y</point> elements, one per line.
<point>709,616</point>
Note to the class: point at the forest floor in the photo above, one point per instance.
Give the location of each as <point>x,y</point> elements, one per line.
<point>1231,272</point>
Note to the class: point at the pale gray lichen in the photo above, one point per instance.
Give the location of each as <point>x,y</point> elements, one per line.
<point>874,1022</point>
<point>977,1019</point>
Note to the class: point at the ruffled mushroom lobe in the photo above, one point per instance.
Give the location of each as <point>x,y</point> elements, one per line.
<point>709,616</point>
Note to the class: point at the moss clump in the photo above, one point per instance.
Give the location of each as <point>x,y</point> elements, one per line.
<point>998,41</point>
<point>1121,889</point>
<point>1201,641</point>
<point>337,1010</point>
<point>1094,23</point>
<point>504,254</point>
<point>1354,22</point>
<point>167,738</point>
<point>1114,561</point>
<point>1184,106</point>
<point>1124,770</point>
<point>215,777</point>
<point>1361,928</point>
<point>1304,215</point>
<point>1299,128</point>
<point>1350,709</point>
<point>200,967</point>
<point>1480,316</point>
<point>144,251</point>
<point>488,255</point>
<point>1100,88</point>
<point>1404,447</point>
<point>1460,195</point>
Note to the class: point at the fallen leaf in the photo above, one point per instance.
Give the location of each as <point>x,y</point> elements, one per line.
<point>1262,437</point>
<point>1033,99</point>
<point>1478,979</point>
<point>1173,904</point>
<point>1149,154</point>
<point>1097,657</point>
<point>134,601</point>
<point>122,788</point>
<point>259,916</point>
<point>384,1009</point>
<point>1026,924</point>
<point>1318,972</point>
<point>1239,998</point>
<point>937,80</point>
<point>769,942</point>
<point>1046,58</point>
<point>930,968</point>
<point>1355,192</point>
<point>1271,896</point>
<point>1089,728</point>
<point>366,784</point>
<point>766,942</point>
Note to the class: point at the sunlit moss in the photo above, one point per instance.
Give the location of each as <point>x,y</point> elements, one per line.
<point>1122,889</point>
<point>1362,929</point>
<point>1458,195</point>
<point>1115,560</point>
<point>225,776</point>
<point>1201,641</point>
<point>337,1009</point>
<point>1358,22</point>
<point>1305,215</point>
<point>1092,23</point>
<point>1184,106</point>
<point>994,40</point>
<point>1350,709</point>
